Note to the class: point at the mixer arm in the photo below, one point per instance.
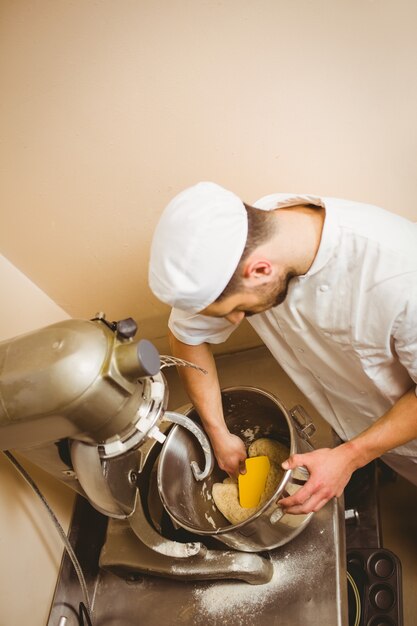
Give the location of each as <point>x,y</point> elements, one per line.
<point>78,379</point>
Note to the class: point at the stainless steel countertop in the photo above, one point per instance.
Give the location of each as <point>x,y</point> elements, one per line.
<point>309,585</point>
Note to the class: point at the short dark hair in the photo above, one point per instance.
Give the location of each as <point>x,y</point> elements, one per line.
<point>261,227</point>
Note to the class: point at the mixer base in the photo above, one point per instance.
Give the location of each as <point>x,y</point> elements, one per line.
<point>124,555</point>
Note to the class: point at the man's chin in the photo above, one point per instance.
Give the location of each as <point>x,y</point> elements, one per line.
<point>280,299</point>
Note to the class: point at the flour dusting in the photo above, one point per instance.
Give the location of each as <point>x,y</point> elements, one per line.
<point>241,602</point>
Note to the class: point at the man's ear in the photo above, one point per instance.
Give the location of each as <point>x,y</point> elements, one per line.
<point>257,271</point>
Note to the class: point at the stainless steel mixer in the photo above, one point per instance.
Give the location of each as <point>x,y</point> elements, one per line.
<point>308,585</point>
<point>87,403</point>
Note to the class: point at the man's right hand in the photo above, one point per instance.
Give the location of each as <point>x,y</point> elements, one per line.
<point>230,453</point>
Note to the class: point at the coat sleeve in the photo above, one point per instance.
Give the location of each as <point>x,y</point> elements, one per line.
<point>405,333</point>
<point>195,329</point>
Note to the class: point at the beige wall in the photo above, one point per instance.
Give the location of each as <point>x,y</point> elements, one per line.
<point>110,108</point>
<point>30,548</point>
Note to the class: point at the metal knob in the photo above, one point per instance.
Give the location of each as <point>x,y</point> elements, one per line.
<point>351,516</point>
<point>126,329</point>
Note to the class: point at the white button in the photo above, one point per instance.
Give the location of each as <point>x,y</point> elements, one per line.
<point>324,287</point>
<point>300,350</point>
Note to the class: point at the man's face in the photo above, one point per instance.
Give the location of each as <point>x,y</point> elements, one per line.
<point>250,301</point>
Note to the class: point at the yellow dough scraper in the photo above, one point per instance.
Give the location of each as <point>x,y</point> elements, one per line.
<point>252,484</point>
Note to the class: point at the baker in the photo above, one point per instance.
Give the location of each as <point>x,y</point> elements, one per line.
<point>330,286</point>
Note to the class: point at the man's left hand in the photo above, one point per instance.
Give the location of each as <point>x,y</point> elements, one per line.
<point>330,470</point>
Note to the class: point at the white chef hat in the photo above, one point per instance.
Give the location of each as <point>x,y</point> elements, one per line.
<point>197,246</point>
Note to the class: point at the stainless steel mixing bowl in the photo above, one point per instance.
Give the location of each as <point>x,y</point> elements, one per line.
<point>250,413</point>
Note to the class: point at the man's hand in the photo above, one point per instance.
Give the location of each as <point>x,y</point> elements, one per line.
<point>204,393</point>
<point>330,471</point>
<point>230,453</point>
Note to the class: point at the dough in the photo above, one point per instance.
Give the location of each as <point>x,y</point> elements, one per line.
<point>274,450</point>
<point>226,494</point>
<point>226,498</point>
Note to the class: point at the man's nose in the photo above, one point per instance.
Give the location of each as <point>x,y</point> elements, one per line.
<point>235,317</point>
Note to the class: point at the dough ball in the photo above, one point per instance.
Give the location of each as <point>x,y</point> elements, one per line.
<point>273,479</point>
<point>276,452</point>
<point>226,498</point>
<point>226,494</point>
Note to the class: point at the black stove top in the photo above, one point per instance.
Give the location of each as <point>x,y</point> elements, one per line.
<point>374,573</point>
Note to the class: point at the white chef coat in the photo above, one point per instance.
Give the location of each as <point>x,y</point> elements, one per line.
<point>347,332</point>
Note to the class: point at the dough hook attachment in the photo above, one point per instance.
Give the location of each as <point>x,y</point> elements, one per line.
<point>199,434</point>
